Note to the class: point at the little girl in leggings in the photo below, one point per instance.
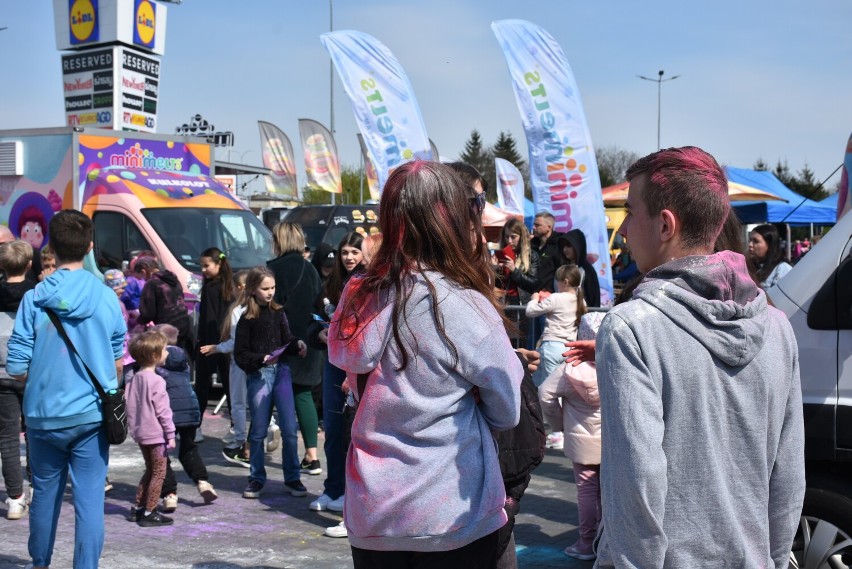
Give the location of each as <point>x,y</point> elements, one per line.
<point>149,418</point>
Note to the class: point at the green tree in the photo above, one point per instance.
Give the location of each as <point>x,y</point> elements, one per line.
<point>507,149</point>
<point>760,165</point>
<point>350,179</point>
<point>480,157</point>
<point>802,182</point>
<point>613,162</point>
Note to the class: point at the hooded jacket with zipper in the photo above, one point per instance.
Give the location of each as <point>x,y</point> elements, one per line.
<point>58,391</point>
<point>591,285</point>
<point>422,472</point>
<point>162,302</point>
<point>702,435</point>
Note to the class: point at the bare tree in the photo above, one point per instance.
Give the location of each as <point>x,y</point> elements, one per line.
<point>613,162</point>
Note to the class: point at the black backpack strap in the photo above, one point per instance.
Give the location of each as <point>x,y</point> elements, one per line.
<point>58,324</point>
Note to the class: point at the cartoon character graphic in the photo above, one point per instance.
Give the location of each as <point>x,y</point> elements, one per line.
<point>31,227</point>
<point>29,218</point>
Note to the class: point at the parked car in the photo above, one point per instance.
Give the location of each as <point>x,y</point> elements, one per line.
<point>817,298</point>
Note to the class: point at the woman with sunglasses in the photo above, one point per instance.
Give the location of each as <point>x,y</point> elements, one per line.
<point>423,479</point>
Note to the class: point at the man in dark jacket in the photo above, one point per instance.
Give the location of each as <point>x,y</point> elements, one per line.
<point>572,245</point>
<point>544,242</point>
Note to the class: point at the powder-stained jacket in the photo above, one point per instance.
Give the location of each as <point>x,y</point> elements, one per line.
<point>703,440</point>
<point>422,472</point>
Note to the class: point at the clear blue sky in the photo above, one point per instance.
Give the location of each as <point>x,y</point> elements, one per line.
<point>758,79</point>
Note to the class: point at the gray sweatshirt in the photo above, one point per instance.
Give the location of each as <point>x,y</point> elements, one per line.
<point>422,471</point>
<point>703,439</point>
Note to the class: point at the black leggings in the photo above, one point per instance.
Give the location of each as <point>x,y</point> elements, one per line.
<point>480,554</point>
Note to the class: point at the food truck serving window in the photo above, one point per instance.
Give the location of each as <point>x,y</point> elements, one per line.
<point>189,231</point>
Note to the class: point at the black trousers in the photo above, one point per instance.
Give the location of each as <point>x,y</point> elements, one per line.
<point>481,554</point>
<point>205,367</point>
<point>189,458</point>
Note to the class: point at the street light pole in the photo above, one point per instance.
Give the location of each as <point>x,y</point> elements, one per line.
<point>659,81</point>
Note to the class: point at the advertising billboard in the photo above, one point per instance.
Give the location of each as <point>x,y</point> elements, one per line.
<point>88,23</point>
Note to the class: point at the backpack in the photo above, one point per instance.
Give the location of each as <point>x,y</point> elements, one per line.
<point>521,449</point>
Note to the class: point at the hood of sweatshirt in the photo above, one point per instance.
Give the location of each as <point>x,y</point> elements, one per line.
<point>321,256</point>
<point>714,300</point>
<point>578,241</point>
<point>168,277</point>
<point>176,360</point>
<point>72,295</point>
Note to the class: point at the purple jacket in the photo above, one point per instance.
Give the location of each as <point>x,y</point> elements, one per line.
<point>149,416</point>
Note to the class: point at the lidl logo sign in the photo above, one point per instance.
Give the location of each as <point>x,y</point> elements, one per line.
<point>145,23</point>
<point>83,21</point>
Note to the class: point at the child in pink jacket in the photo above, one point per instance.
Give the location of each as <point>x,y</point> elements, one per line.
<point>149,419</point>
<point>579,417</point>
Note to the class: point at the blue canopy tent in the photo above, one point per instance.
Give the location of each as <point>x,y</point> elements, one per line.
<point>793,212</point>
<point>529,213</point>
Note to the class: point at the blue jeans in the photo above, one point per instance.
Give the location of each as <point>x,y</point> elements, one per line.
<point>551,356</point>
<point>333,400</point>
<point>84,451</point>
<point>272,385</point>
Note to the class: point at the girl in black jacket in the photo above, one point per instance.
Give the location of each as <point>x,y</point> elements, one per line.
<point>217,294</point>
<point>262,336</point>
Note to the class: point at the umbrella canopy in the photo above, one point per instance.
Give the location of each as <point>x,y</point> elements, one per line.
<point>737,192</point>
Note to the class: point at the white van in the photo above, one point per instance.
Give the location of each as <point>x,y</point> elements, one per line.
<point>817,298</point>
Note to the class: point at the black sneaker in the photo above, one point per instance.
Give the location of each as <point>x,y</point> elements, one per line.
<point>155,519</point>
<point>295,488</point>
<point>136,514</point>
<point>311,467</point>
<point>253,489</point>
<point>235,455</point>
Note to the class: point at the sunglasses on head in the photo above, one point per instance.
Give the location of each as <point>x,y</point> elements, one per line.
<point>479,202</point>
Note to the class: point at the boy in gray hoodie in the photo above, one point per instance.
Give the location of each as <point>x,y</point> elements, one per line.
<point>703,440</point>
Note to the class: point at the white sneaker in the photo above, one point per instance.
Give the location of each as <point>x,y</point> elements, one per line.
<point>17,507</point>
<point>230,438</point>
<point>325,502</point>
<point>199,438</point>
<point>170,503</point>
<point>336,531</point>
<point>555,440</point>
<point>207,492</point>
<point>273,438</point>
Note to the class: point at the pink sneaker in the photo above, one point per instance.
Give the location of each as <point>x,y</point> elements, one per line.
<point>577,551</point>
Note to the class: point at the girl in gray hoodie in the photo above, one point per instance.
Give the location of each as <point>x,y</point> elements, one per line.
<point>422,475</point>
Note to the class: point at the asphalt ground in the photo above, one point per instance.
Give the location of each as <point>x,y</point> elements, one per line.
<point>276,531</point>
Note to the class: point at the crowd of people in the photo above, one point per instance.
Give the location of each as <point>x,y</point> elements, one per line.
<point>680,409</point>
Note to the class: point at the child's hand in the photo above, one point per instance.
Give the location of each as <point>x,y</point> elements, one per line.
<point>170,443</point>
<point>532,358</point>
<point>303,349</point>
<point>543,294</point>
<point>208,350</point>
<point>269,360</point>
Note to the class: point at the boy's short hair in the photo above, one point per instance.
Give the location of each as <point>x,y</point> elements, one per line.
<point>71,232</point>
<point>15,257</point>
<point>47,253</point>
<point>147,346</point>
<point>170,332</point>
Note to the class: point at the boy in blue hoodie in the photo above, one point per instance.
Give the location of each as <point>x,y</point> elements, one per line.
<point>61,407</point>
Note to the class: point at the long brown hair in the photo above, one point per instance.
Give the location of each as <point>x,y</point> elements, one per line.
<point>333,286</point>
<point>226,275</point>
<point>517,227</point>
<point>240,282</point>
<point>253,281</point>
<point>428,223</point>
<point>572,275</point>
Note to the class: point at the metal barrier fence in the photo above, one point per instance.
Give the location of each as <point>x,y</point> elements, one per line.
<point>529,329</point>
